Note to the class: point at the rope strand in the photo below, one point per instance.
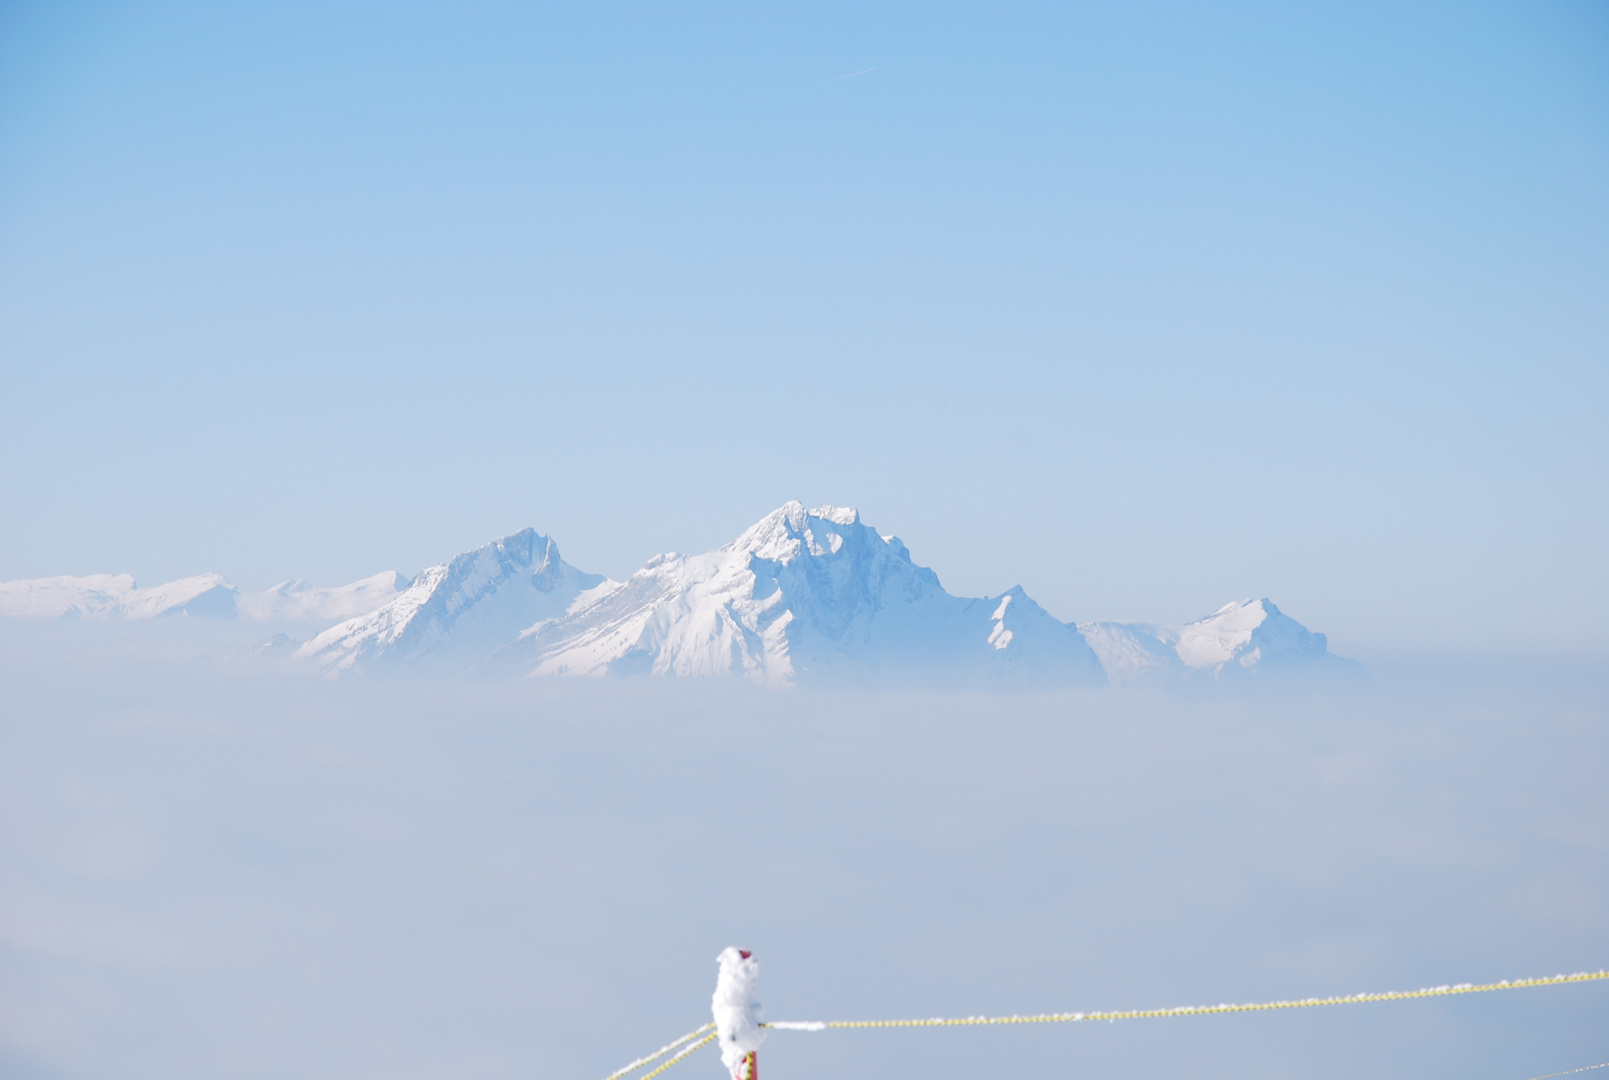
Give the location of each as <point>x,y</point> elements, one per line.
<point>1567,1072</point>
<point>1202,1010</point>
<point>667,1048</point>
<point>688,1046</point>
<point>705,1041</point>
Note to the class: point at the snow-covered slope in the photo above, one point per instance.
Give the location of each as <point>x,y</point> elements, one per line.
<point>463,609</point>
<point>115,596</point>
<point>297,601</point>
<point>1133,652</point>
<point>1243,637</point>
<point>801,595</point>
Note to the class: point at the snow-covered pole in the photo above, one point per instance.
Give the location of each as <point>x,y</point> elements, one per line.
<point>737,1013</point>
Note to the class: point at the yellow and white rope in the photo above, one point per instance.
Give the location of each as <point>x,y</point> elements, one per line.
<point>663,1050</point>
<point>688,1045</point>
<point>1569,1072</point>
<point>1201,1010</point>
<point>705,1041</point>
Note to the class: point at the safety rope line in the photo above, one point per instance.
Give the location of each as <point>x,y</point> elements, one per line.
<point>1200,1010</point>
<point>687,1046</point>
<point>705,1041</point>
<point>1568,1072</point>
<point>655,1056</point>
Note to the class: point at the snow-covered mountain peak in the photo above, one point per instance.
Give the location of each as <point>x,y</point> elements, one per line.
<point>804,594</point>
<point>1222,636</point>
<point>1244,636</point>
<point>790,529</point>
<point>465,607</point>
<point>799,595</point>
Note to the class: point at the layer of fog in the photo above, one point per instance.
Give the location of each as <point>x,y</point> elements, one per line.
<point>210,867</point>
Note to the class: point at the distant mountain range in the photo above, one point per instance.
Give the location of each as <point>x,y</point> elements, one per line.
<point>115,596</point>
<point>802,596</point>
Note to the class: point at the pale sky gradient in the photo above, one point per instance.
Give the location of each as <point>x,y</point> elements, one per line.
<point>1143,307</point>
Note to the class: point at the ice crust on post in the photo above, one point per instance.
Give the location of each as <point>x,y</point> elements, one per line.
<point>737,1012</point>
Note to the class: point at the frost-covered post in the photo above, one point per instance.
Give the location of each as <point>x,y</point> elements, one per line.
<point>737,1012</point>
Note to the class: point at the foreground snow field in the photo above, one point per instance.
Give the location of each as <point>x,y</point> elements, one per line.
<point>210,870</point>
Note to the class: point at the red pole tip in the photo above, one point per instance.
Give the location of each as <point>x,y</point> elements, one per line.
<point>744,953</point>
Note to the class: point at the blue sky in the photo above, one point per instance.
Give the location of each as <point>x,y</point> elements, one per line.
<point>1143,307</point>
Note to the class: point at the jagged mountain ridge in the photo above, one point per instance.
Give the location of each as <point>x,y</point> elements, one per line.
<point>803,594</point>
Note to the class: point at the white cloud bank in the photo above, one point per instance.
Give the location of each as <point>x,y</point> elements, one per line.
<point>209,873</point>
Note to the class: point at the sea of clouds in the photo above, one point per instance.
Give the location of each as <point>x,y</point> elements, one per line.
<point>210,866</point>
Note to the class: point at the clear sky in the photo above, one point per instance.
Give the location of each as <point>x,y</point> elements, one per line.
<point>1143,307</point>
